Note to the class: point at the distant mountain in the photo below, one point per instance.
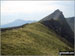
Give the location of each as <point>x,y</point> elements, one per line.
<point>71,21</point>
<point>16,23</point>
<point>58,23</point>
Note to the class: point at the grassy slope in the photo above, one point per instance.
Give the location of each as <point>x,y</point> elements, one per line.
<point>33,39</point>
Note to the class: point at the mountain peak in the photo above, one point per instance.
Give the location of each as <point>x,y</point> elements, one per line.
<point>57,10</point>
<point>56,15</point>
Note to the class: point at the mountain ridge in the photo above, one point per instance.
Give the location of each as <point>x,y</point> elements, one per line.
<point>32,39</point>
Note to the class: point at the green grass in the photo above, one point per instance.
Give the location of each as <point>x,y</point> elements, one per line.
<point>32,39</point>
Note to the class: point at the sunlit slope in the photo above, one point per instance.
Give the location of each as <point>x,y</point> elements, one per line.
<point>32,39</point>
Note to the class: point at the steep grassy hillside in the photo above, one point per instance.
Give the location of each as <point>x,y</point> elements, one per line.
<point>32,39</point>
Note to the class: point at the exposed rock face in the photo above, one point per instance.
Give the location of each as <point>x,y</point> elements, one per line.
<point>58,23</point>
<point>55,15</point>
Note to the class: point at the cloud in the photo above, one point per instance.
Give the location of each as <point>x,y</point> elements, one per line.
<point>27,6</point>
<point>33,10</point>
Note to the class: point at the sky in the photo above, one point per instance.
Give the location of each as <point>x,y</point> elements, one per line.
<point>33,10</point>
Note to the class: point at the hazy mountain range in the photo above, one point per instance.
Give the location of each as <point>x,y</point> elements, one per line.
<point>48,36</point>
<point>16,23</point>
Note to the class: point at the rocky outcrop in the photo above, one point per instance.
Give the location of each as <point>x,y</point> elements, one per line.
<point>58,23</point>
